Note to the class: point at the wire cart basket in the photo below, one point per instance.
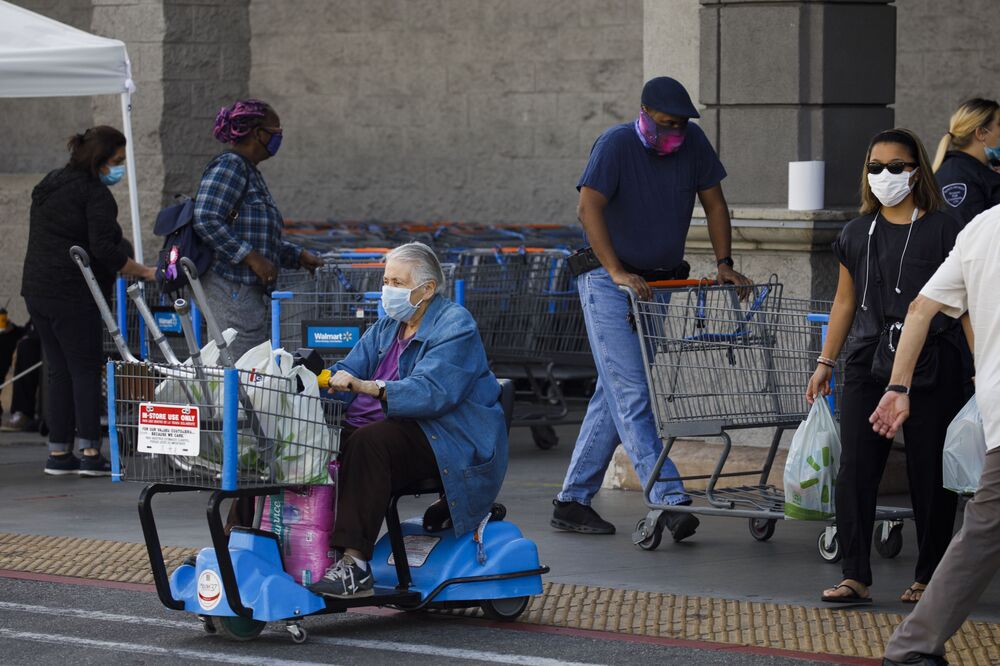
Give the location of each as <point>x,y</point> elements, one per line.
<point>528,310</point>
<point>716,363</point>
<point>217,428</point>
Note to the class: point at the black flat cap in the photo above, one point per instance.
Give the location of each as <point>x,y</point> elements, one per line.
<point>667,95</point>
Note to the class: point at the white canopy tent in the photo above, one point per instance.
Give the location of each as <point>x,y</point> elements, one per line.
<point>40,57</point>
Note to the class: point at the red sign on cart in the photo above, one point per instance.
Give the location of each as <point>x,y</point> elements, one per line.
<point>173,430</point>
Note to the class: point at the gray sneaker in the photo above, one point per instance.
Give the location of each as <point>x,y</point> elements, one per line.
<point>345,580</point>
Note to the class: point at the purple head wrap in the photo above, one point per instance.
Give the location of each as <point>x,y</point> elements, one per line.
<point>237,121</point>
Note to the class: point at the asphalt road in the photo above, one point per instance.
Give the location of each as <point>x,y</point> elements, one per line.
<point>53,623</point>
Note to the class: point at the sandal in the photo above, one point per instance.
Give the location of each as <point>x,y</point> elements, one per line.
<point>853,598</point>
<point>913,594</point>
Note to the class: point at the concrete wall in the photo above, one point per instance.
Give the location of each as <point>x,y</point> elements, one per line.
<point>946,53</point>
<point>36,129</point>
<point>479,110</point>
<point>670,42</point>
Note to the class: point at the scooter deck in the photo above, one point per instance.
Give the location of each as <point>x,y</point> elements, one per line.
<point>383,596</point>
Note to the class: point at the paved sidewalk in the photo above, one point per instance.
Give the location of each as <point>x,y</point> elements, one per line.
<point>722,586</point>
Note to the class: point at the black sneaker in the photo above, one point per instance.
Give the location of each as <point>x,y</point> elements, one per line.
<point>681,525</point>
<point>62,465</point>
<point>576,517</point>
<point>345,580</point>
<point>96,465</point>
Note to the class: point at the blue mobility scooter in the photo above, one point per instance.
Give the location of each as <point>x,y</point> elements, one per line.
<point>239,584</point>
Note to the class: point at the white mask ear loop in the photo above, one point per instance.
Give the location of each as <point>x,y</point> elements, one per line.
<point>913,221</point>
<point>868,262</point>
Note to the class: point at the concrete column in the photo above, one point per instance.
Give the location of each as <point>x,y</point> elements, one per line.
<point>670,42</point>
<point>189,57</point>
<point>787,80</point>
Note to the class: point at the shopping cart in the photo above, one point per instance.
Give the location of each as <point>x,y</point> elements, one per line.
<point>530,319</point>
<point>182,427</point>
<point>330,313</point>
<point>716,363</point>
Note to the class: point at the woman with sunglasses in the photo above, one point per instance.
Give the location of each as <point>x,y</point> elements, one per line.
<point>964,157</point>
<point>886,255</point>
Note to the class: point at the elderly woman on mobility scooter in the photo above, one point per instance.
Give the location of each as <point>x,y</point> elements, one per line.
<point>423,404</point>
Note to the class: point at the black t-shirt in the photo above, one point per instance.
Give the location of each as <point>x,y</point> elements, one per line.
<point>931,240</point>
<point>968,186</point>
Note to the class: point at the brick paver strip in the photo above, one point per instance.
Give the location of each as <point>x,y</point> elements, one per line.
<point>782,626</point>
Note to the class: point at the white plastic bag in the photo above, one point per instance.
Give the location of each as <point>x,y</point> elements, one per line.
<point>811,468</point>
<point>964,450</point>
<point>294,421</point>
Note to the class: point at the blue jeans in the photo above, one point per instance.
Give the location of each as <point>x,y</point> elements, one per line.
<point>620,410</point>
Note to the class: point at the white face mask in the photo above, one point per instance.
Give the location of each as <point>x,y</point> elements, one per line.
<point>396,302</point>
<point>890,188</point>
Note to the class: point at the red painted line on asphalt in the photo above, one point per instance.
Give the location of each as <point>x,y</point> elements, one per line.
<point>72,580</point>
<point>594,634</point>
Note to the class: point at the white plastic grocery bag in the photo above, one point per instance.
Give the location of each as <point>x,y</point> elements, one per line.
<point>291,419</point>
<point>811,468</point>
<point>964,450</point>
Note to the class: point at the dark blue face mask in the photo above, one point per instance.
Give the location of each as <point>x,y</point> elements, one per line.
<point>274,143</point>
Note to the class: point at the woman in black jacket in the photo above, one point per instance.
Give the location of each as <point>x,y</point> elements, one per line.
<point>73,206</point>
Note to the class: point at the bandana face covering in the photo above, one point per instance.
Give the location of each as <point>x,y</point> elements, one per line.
<point>660,140</point>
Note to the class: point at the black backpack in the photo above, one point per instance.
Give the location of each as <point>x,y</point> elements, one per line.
<point>175,224</point>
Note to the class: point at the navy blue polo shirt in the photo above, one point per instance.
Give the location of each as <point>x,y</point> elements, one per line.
<point>650,198</point>
<point>968,186</point>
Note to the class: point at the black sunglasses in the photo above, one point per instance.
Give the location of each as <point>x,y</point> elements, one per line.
<point>894,168</point>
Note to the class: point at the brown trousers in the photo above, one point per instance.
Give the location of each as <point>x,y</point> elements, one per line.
<point>377,460</point>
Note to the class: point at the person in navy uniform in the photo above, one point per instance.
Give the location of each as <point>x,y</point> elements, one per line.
<point>637,195</point>
<point>969,185</point>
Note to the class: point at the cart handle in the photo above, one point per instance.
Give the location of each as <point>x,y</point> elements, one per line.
<point>673,284</point>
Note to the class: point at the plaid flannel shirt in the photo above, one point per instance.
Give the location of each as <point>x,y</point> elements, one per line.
<point>258,226</point>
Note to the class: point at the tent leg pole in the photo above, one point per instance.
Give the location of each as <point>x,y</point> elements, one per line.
<point>133,188</point>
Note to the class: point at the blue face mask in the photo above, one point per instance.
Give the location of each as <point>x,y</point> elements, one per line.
<point>114,174</point>
<point>273,143</point>
<point>992,154</point>
<point>396,302</point>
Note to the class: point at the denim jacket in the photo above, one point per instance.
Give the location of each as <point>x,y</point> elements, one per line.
<point>446,386</point>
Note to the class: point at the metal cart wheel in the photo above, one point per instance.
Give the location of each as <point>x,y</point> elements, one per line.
<point>762,529</point>
<point>891,544</point>
<point>298,632</point>
<point>651,540</point>
<point>504,610</point>
<point>238,628</point>
<point>207,624</point>
<point>829,549</point>
<point>545,437</point>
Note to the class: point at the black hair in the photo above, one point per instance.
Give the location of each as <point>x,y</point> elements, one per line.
<point>91,150</point>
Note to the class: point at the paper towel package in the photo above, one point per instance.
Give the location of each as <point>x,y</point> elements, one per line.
<point>303,519</point>
<point>805,185</point>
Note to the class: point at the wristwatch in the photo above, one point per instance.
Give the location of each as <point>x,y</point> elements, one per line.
<point>381,389</point>
<point>898,388</point>
<point>728,261</point>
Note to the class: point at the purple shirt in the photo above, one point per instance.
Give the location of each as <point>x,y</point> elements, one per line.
<point>365,409</point>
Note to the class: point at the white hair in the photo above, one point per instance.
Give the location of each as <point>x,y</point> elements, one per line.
<point>425,264</point>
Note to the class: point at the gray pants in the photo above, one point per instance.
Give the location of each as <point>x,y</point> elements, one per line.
<point>244,307</point>
<point>967,568</point>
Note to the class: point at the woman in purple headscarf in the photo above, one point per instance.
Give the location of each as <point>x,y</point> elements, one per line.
<point>236,216</point>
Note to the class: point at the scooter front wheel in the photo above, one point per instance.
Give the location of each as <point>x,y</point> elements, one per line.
<point>238,628</point>
<point>504,610</point>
